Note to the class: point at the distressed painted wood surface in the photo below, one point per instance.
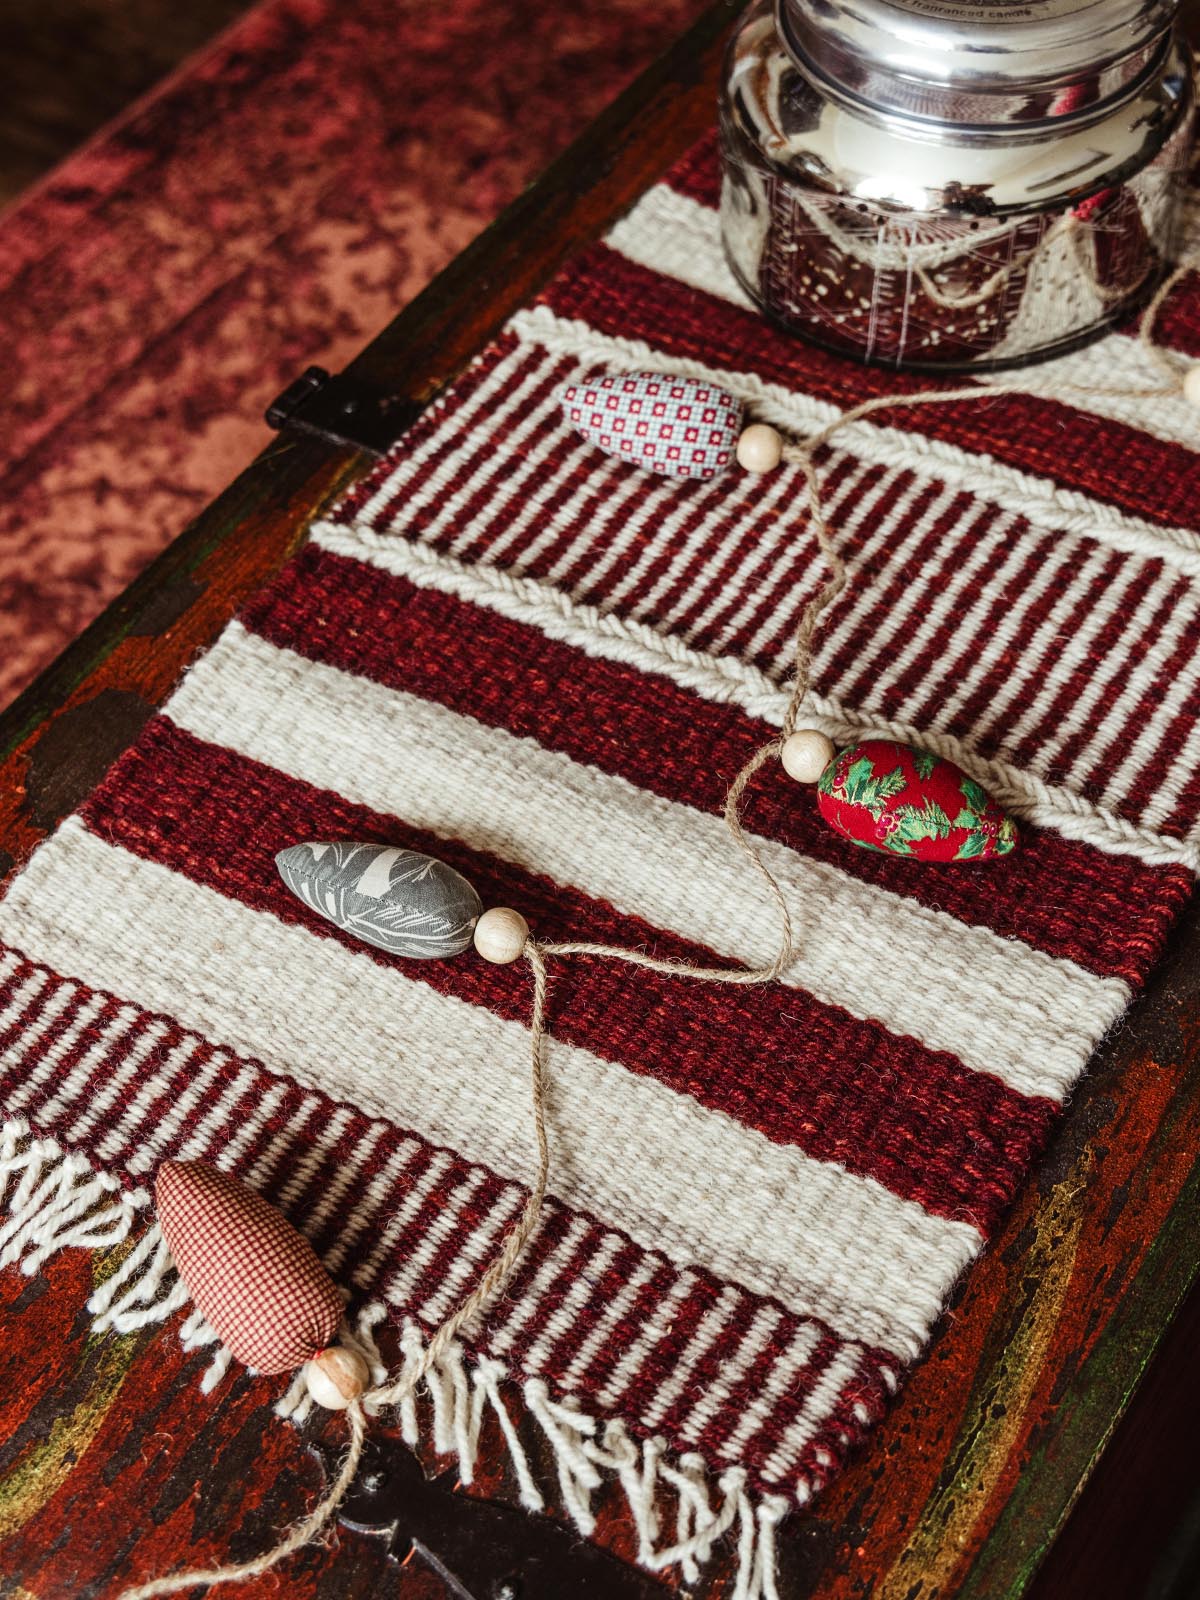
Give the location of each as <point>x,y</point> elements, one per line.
<point>113,1466</point>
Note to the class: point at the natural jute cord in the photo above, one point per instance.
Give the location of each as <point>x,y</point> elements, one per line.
<point>496,1276</point>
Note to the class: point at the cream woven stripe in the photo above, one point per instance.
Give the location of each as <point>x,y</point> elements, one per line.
<point>1043,503</point>
<point>997,1004</point>
<point>728,681</point>
<point>680,238</point>
<point>628,1150</point>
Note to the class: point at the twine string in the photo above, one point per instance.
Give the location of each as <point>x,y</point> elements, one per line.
<point>308,1528</point>
<point>497,1274</point>
<point>802,453</point>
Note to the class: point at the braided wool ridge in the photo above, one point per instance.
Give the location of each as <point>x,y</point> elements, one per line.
<point>728,680</point>
<point>1040,500</point>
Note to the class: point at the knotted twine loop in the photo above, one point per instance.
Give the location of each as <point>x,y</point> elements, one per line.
<point>802,453</point>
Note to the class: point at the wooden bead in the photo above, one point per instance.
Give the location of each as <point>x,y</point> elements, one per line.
<point>760,448</point>
<point>336,1376</point>
<point>500,935</point>
<point>1191,386</point>
<point>806,753</point>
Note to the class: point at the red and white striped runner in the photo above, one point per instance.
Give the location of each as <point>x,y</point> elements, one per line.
<point>545,666</point>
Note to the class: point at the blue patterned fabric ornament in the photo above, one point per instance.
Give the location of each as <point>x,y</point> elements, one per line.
<point>398,900</point>
<point>679,426</point>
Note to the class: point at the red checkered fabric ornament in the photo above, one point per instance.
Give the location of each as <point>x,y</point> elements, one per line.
<point>256,1281</point>
<point>678,426</point>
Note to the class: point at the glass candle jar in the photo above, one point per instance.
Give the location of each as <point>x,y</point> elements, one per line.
<point>953,184</point>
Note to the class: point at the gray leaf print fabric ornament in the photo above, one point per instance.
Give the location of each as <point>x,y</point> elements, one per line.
<point>398,900</point>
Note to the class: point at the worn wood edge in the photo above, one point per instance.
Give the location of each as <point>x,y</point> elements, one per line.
<point>1107,1385</point>
<point>1135,1529</point>
<point>1089,1408</point>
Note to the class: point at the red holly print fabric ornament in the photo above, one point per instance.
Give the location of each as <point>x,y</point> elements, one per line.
<point>254,1279</point>
<point>888,796</point>
<point>678,426</point>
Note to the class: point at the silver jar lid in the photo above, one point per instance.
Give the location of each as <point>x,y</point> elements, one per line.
<point>978,62</point>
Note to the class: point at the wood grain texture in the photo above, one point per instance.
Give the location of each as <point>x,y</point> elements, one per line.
<point>970,1480</point>
<point>70,65</point>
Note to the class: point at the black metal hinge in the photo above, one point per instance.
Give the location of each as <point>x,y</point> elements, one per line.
<point>342,409</point>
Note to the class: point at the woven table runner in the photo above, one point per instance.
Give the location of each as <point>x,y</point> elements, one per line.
<point>544,666</point>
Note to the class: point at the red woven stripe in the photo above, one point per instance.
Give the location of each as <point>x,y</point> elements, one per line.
<point>119,1045</point>
<point>794,578</point>
<point>500,465</point>
<point>898,697</point>
<point>52,1031</point>
<point>823,1458</point>
<point>445,1198</point>
<point>700,1300</point>
<point>15,1071</point>
<point>1106,641</point>
<point>294,1113</point>
<point>1066,759</point>
<point>618,297</point>
<point>953,1139</point>
<point>548,1316</point>
<point>725,585</point>
<point>603,1288</point>
<point>663,739</point>
<point>1182,820</point>
<point>711,1366</point>
<point>874,597</point>
<point>712,501</point>
<point>555,1224</point>
<point>1019,648</point>
<point>28,1008</point>
<point>627,1326</point>
<point>1019,652</point>
<point>480,455</point>
<point>172,1087</point>
<point>1170,742</point>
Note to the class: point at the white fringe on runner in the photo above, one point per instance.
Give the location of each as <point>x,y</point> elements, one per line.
<point>52,1199</point>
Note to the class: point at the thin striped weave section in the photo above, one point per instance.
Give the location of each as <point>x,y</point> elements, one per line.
<point>544,666</point>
